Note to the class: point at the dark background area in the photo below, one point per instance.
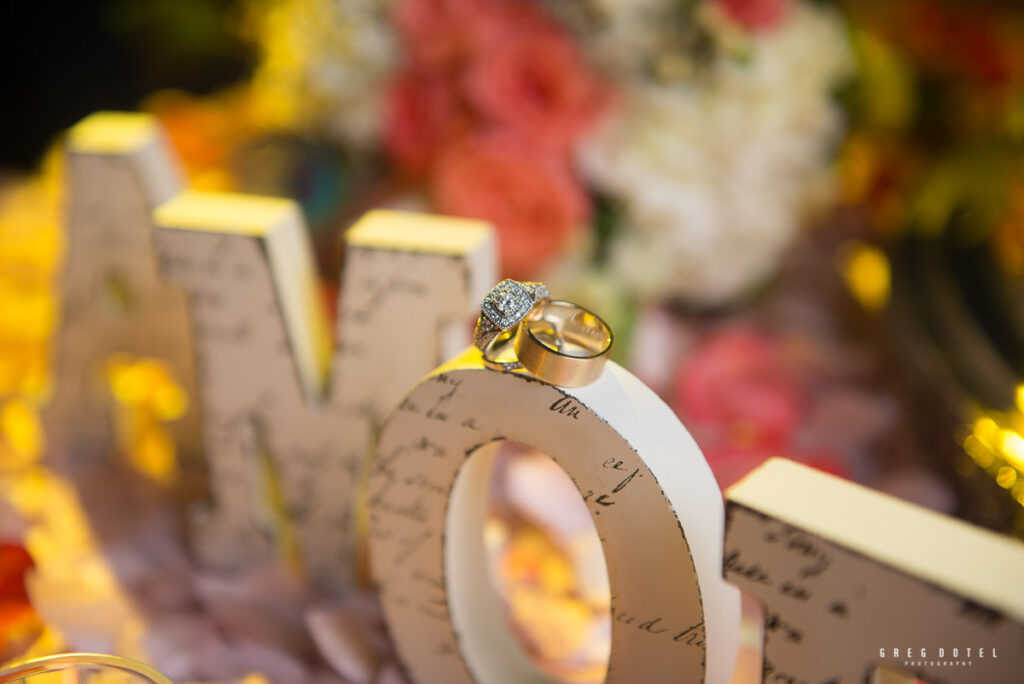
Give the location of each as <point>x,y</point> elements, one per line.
<point>62,60</point>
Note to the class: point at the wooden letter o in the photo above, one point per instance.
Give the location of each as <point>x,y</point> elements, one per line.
<point>650,492</point>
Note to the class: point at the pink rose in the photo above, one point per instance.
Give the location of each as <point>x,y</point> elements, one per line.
<point>534,83</point>
<point>737,397</point>
<point>438,33</point>
<point>733,391</point>
<point>756,15</point>
<point>531,197</point>
<point>503,20</point>
<point>423,116</point>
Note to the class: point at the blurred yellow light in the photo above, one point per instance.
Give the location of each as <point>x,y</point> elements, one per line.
<point>47,643</point>
<point>1006,477</point>
<point>533,559</point>
<point>26,314</point>
<point>19,424</point>
<point>866,271</point>
<point>980,453</point>
<point>147,396</point>
<point>1012,446</point>
<point>169,401</point>
<point>126,382</point>
<point>139,382</point>
<point>153,375</point>
<point>35,376</point>
<point>987,432</point>
<point>1020,397</point>
<point>214,180</point>
<point>255,679</point>
<point>153,455</point>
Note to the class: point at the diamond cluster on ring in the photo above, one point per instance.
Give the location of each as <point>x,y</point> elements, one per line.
<point>506,304</point>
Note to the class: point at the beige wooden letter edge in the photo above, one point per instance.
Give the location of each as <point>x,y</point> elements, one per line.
<point>936,548</point>
<point>125,133</point>
<point>291,263</point>
<point>451,261</point>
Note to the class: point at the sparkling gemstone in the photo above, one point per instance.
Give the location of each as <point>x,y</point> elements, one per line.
<point>506,304</point>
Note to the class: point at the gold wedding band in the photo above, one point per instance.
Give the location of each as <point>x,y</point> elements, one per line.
<point>563,343</point>
<point>499,352</point>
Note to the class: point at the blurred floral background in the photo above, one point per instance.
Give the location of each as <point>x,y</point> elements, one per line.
<point>803,219</point>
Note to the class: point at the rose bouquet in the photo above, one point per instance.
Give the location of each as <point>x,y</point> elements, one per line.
<point>672,148</point>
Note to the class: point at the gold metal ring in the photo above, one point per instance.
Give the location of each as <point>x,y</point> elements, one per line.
<point>499,353</point>
<point>563,343</point>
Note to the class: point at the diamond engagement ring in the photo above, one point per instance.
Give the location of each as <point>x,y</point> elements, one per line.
<point>501,310</point>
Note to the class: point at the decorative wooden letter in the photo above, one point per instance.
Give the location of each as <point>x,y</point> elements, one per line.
<point>285,452</point>
<point>852,580</point>
<point>411,290</point>
<point>119,168</point>
<point>654,503</point>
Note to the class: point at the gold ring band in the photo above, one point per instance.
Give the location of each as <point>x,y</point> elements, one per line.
<point>563,343</point>
<point>495,353</point>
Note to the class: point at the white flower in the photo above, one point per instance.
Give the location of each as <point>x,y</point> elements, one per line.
<point>716,174</point>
